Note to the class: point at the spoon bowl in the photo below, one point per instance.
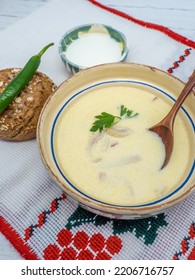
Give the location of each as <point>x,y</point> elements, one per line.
<point>164,129</point>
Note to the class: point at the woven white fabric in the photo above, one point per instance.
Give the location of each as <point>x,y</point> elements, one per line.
<point>32,204</point>
<point>155,11</point>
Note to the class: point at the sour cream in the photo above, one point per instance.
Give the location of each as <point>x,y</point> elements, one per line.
<point>93,49</point>
<point>121,165</point>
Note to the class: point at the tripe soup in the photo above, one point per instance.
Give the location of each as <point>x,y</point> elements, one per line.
<point>122,164</point>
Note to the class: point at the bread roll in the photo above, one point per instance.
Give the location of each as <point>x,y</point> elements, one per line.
<point>19,121</point>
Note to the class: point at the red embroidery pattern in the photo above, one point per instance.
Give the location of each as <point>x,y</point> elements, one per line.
<point>192,255</point>
<point>184,249</point>
<point>43,216</point>
<point>163,29</point>
<point>81,246</point>
<point>157,27</point>
<point>181,59</point>
<point>13,236</point>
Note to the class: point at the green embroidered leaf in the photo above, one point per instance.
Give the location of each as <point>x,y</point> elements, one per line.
<point>82,216</point>
<point>144,228</point>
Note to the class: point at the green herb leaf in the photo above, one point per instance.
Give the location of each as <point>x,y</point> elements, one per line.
<point>104,120</point>
<point>127,112</point>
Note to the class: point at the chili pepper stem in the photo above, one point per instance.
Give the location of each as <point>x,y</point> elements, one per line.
<point>44,49</point>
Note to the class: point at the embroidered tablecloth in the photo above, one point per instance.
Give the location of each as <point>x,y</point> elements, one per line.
<point>35,215</point>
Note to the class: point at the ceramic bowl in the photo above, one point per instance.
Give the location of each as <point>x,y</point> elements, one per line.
<point>137,76</point>
<point>84,31</point>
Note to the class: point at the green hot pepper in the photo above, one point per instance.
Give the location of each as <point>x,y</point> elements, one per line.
<point>21,80</point>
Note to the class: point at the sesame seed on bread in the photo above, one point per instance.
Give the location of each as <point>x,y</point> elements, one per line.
<point>19,121</point>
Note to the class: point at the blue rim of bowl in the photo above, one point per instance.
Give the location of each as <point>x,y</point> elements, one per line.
<point>99,201</point>
<point>66,60</point>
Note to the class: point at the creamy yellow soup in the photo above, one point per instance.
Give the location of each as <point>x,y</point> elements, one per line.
<point>120,165</point>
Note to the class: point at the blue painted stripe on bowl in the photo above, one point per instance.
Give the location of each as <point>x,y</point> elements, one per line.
<point>96,200</point>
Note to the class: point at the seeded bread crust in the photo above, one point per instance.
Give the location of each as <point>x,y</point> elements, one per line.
<point>19,121</point>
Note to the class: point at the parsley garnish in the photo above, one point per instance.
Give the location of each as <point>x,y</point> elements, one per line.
<point>106,120</point>
<point>129,113</point>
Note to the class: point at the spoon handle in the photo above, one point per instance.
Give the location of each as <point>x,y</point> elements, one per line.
<point>170,117</point>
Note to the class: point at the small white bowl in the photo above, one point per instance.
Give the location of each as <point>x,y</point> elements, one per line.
<point>134,75</point>
<point>100,44</point>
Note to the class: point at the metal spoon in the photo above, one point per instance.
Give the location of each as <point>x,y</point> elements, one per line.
<point>164,128</point>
